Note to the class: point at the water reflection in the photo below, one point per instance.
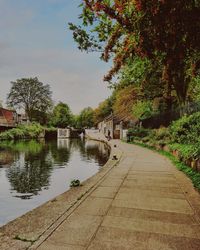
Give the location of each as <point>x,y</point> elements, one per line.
<point>30,164</point>
<point>59,152</point>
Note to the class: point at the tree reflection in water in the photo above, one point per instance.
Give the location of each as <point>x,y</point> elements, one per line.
<point>31,163</point>
<point>31,172</point>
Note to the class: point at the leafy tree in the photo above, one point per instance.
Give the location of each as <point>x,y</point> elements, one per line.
<point>142,109</point>
<point>62,116</point>
<point>125,98</point>
<point>162,30</point>
<point>86,118</point>
<point>194,90</point>
<point>104,109</point>
<point>31,95</point>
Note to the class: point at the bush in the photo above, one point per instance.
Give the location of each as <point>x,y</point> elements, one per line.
<point>138,133</point>
<point>161,136</point>
<point>186,130</point>
<point>30,131</point>
<point>153,136</point>
<point>186,151</point>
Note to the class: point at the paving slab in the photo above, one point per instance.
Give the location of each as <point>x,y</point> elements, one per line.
<point>94,206</point>
<point>176,218</point>
<point>77,230</point>
<point>141,225</point>
<point>148,185</point>
<point>151,166</point>
<point>112,182</point>
<point>59,246</point>
<point>157,204</point>
<point>129,240</point>
<point>151,173</point>
<point>105,192</point>
<point>150,182</point>
<point>125,193</point>
<point>153,177</point>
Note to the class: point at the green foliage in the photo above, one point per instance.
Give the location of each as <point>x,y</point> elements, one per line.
<point>138,133</point>
<point>62,116</point>
<point>23,132</point>
<point>162,136</point>
<point>104,109</point>
<point>143,75</point>
<point>134,72</point>
<point>124,99</point>
<point>33,96</point>
<point>159,136</point>
<point>85,119</point>
<point>182,136</point>
<point>26,146</point>
<point>164,32</point>
<point>194,89</point>
<point>186,151</point>
<point>83,39</point>
<point>143,109</point>
<point>186,130</point>
<point>50,129</point>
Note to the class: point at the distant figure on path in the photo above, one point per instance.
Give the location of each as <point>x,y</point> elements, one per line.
<point>109,137</point>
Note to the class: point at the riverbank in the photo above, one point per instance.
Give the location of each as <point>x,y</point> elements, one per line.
<point>22,232</point>
<point>29,131</point>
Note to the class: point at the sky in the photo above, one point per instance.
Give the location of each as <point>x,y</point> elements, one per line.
<point>35,42</point>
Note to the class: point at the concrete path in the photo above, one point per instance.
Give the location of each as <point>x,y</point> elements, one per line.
<point>142,203</point>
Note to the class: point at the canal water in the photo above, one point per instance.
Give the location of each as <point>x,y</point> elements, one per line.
<point>33,172</point>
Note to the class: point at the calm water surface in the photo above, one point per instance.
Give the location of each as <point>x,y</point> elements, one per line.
<point>33,172</point>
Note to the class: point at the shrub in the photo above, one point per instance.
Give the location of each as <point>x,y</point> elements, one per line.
<point>186,151</point>
<point>186,130</point>
<point>138,133</point>
<point>153,136</point>
<point>22,132</point>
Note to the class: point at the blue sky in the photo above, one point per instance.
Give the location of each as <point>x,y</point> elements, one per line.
<point>35,41</point>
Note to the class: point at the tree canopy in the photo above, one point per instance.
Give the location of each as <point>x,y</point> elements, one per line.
<point>86,118</point>
<point>104,109</point>
<point>125,98</point>
<point>160,30</point>
<point>31,95</point>
<point>62,116</point>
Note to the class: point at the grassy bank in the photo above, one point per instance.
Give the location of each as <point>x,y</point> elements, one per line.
<point>29,131</point>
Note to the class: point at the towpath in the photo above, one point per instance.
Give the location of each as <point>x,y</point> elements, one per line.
<point>142,203</point>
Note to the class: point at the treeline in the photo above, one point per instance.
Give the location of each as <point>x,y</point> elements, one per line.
<point>35,99</point>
